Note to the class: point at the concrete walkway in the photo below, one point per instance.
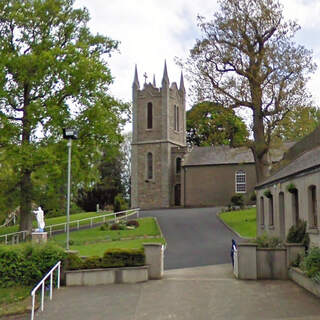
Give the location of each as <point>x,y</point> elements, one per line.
<point>200,293</point>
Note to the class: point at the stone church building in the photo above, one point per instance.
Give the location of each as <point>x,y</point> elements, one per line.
<point>165,173</point>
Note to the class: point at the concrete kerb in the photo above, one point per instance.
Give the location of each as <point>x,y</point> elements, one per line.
<point>232,230</point>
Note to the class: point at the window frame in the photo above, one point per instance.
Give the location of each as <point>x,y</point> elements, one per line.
<point>149,165</point>
<point>238,174</point>
<point>149,116</point>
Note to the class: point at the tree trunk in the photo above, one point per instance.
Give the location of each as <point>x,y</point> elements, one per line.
<point>260,147</point>
<point>26,217</point>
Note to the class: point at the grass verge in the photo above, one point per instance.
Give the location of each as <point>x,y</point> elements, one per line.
<point>242,221</point>
<point>15,300</point>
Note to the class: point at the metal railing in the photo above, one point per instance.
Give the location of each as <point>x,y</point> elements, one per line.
<point>14,237</point>
<point>42,284</point>
<point>77,223</point>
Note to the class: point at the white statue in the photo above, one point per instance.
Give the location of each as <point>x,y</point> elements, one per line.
<point>40,219</point>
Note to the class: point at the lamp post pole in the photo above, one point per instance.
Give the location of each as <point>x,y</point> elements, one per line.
<point>69,144</point>
<point>69,134</point>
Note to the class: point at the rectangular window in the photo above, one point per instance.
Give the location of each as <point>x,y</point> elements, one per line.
<point>240,182</point>
<point>149,116</point>
<point>262,211</point>
<point>176,119</point>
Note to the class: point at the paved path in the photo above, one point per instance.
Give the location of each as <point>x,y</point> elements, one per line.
<point>195,237</point>
<point>201,293</point>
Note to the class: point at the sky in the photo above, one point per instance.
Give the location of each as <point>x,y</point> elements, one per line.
<point>152,31</point>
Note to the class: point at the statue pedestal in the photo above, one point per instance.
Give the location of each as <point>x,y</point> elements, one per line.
<point>39,237</point>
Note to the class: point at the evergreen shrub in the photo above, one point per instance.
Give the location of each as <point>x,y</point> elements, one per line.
<point>27,264</point>
<point>237,200</point>
<point>264,241</point>
<point>133,223</point>
<point>298,234</point>
<point>311,263</point>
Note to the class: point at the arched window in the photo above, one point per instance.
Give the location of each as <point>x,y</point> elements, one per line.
<point>262,211</point>
<point>271,215</point>
<point>149,116</point>
<point>312,200</point>
<point>149,166</point>
<point>240,181</point>
<point>178,165</point>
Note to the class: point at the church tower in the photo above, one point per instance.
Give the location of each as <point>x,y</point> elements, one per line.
<point>158,142</point>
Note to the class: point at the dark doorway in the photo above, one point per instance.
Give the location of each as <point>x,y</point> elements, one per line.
<point>177,195</point>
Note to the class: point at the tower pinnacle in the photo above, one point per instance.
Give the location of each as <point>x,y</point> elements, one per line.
<point>136,79</point>
<point>181,87</point>
<point>165,78</point>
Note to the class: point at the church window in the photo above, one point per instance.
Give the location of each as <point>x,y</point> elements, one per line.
<point>312,199</point>
<point>176,118</point>
<point>271,215</point>
<point>240,182</point>
<point>149,166</point>
<point>149,116</point>
<point>178,165</point>
<point>262,211</point>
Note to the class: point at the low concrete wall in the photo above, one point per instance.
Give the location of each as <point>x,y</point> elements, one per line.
<point>265,263</point>
<point>92,277</point>
<point>154,259</point>
<point>271,264</point>
<point>302,280</point>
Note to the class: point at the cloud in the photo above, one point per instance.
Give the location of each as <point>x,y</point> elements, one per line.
<point>151,31</point>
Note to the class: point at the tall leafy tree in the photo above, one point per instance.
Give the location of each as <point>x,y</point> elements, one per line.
<point>53,74</point>
<point>211,124</point>
<point>299,122</point>
<point>247,59</point>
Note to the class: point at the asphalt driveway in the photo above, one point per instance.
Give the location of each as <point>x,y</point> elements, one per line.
<point>195,237</point>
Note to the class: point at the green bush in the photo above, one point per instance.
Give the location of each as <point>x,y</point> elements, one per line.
<point>120,203</point>
<point>297,234</point>
<point>27,264</point>
<point>237,200</point>
<point>93,262</point>
<point>123,258</point>
<point>73,262</point>
<point>133,223</point>
<point>104,227</point>
<point>253,197</point>
<point>311,263</point>
<point>117,226</point>
<point>264,241</point>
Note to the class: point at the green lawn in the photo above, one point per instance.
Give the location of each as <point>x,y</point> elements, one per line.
<point>99,248</point>
<point>243,221</point>
<point>57,220</point>
<point>14,300</point>
<point>95,241</point>
<point>147,227</point>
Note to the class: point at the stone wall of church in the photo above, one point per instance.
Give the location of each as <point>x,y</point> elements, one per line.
<point>288,207</point>
<point>214,185</point>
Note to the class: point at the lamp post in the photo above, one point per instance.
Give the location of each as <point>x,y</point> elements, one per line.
<point>69,134</point>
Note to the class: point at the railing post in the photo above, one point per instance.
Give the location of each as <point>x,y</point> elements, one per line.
<point>42,296</point>
<point>78,224</point>
<point>91,223</point>
<point>51,280</point>
<point>65,227</point>
<point>50,231</point>
<point>6,239</point>
<point>58,284</point>
<point>33,302</point>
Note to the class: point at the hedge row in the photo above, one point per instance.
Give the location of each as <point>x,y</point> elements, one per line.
<point>27,264</point>
<point>111,258</point>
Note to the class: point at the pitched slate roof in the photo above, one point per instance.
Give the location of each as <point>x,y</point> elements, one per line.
<point>305,162</point>
<point>218,155</point>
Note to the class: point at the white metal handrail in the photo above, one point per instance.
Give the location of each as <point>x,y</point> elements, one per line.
<point>13,234</point>
<point>42,283</point>
<point>91,219</point>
